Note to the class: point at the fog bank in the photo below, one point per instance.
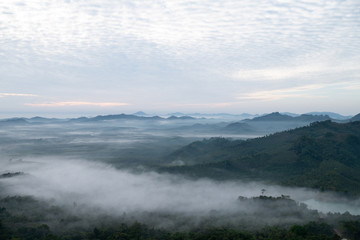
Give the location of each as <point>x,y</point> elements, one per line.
<point>69,182</point>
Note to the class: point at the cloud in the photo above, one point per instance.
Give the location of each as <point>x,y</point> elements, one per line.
<point>351,86</point>
<point>117,46</point>
<point>277,94</point>
<point>291,72</point>
<point>17,95</point>
<point>309,91</point>
<point>72,104</point>
<point>320,90</point>
<point>210,105</point>
<point>101,186</point>
<point>276,73</point>
<point>174,27</point>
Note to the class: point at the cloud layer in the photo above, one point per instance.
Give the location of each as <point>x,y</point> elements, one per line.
<point>114,51</point>
<point>65,104</point>
<point>100,186</point>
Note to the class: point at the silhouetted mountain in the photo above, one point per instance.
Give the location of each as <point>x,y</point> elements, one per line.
<point>115,117</point>
<point>324,155</point>
<point>13,121</point>
<point>180,118</point>
<point>177,114</point>
<point>239,127</point>
<point>330,114</point>
<point>199,128</point>
<point>198,152</point>
<point>290,114</point>
<point>80,119</point>
<point>273,122</point>
<point>216,115</point>
<point>128,117</point>
<point>312,118</point>
<point>140,113</point>
<point>38,119</point>
<point>242,115</point>
<point>43,120</point>
<point>276,117</point>
<point>355,118</point>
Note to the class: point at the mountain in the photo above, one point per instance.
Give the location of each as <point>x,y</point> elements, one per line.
<point>128,117</point>
<point>324,156</point>
<point>180,118</point>
<point>13,121</point>
<point>276,116</point>
<point>40,120</point>
<point>330,114</point>
<point>199,152</point>
<point>140,113</point>
<point>177,114</point>
<point>271,123</point>
<point>115,117</point>
<point>290,114</point>
<point>355,118</point>
<point>239,127</point>
<point>225,116</point>
<point>311,118</point>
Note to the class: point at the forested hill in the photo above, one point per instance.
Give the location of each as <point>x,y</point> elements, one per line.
<point>324,155</point>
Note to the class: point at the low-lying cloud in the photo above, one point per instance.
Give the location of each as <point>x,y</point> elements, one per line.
<point>65,104</point>
<point>101,186</point>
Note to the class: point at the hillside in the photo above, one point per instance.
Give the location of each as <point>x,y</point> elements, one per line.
<point>355,118</point>
<point>276,116</point>
<point>324,155</point>
<point>273,122</point>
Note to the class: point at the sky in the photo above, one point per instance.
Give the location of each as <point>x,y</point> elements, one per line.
<point>106,57</point>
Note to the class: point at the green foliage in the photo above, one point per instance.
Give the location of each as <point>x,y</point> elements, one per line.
<point>351,229</point>
<point>142,232</point>
<point>324,229</point>
<point>324,155</point>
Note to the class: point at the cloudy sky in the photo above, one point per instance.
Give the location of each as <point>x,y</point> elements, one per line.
<point>106,56</point>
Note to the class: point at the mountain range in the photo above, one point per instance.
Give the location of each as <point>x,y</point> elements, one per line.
<point>272,117</point>
<point>276,116</point>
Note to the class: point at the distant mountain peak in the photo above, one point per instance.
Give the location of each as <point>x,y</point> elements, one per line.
<point>330,114</point>
<point>274,116</point>
<point>356,117</point>
<point>182,117</point>
<point>140,113</point>
<point>13,121</point>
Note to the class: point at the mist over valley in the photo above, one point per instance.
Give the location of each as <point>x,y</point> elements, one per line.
<point>179,173</point>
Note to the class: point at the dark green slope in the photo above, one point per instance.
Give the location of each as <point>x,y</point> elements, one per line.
<point>324,155</point>
<point>355,118</point>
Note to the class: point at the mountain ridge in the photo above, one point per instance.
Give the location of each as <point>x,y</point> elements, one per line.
<point>276,116</point>
<point>324,156</point>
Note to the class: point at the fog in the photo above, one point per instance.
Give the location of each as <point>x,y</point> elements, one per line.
<point>101,186</point>
<point>120,142</point>
<point>95,169</point>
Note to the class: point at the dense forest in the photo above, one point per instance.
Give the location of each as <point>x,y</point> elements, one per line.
<point>324,155</point>
<point>28,219</point>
